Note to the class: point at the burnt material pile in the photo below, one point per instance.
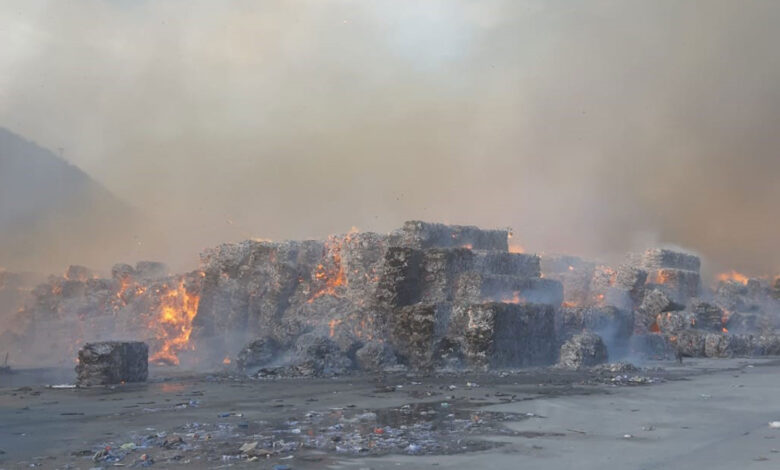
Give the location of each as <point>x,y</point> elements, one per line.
<point>134,303</point>
<point>427,295</point>
<point>424,296</point>
<point>112,362</point>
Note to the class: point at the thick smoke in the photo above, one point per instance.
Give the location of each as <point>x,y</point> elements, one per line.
<point>590,127</point>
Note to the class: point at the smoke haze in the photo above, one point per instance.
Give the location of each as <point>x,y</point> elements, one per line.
<point>592,128</point>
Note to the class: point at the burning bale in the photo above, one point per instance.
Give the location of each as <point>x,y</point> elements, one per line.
<point>112,362</point>
<point>135,302</point>
<point>583,350</point>
<point>381,299</point>
<point>675,273</point>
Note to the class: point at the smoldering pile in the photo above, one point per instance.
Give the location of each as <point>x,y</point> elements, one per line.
<point>426,296</point>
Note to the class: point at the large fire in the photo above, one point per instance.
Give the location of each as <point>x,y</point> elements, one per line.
<point>172,323</point>
<point>732,276</point>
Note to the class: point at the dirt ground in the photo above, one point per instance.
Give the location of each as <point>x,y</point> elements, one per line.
<point>704,414</point>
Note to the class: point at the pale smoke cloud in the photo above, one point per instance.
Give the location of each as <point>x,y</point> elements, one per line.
<point>590,127</point>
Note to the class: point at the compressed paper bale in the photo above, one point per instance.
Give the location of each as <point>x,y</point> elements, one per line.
<point>418,234</point>
<point>112,362</point>
<point>575,275</point>
<point>474,287</point>
<point>412,334</point>
<point>499,335</point>
<point>583,350</point>
<point>659,258</point>
<point>728,345</point>
<point>674,322</point>
<point>707,316</point>
<point>400,277</point>
<point>614,325</point>
<point>655,301</point>
<point>680,285</point>
<point>689,343</point>
<point>510,264</point>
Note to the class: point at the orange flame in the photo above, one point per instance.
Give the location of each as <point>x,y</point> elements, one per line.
<point>333,276</point>
<point>733,276</point>
<point>725,330</point>
<point>515,299</point>
<point>173,323</point>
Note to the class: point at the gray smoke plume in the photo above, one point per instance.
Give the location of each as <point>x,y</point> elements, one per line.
<point>590,127</point>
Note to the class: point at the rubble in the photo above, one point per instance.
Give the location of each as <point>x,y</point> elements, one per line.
<point>582,350</point>
<point>112,362</point>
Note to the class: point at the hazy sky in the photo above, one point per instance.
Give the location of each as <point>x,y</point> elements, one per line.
<point>590,127</point>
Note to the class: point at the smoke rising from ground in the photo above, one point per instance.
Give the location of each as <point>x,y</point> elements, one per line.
<point>590,127</point>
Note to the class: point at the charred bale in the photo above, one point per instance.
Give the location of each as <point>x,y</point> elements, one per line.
<point>422,235</point>
<point>412,334</point>
<point>473,287</point>
<point>583,350</point>
<point>707,316</point>
<point>505,335</point>
<point>112,362</point>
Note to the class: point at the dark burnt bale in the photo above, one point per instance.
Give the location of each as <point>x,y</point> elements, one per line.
<point>475,286</point>
<point>505,335</point>
<point>707,316</point>
<point>775,293</point>
<point>583,350</point>
<point>505,263</point>
<point>412,333</point>
<point>259,353</point>
<point>400,277</point>
<point>439,269</point>
<point>112,362</point>
<point>422,235</point>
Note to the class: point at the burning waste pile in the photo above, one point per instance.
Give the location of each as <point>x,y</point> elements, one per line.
<point>426,296</point>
